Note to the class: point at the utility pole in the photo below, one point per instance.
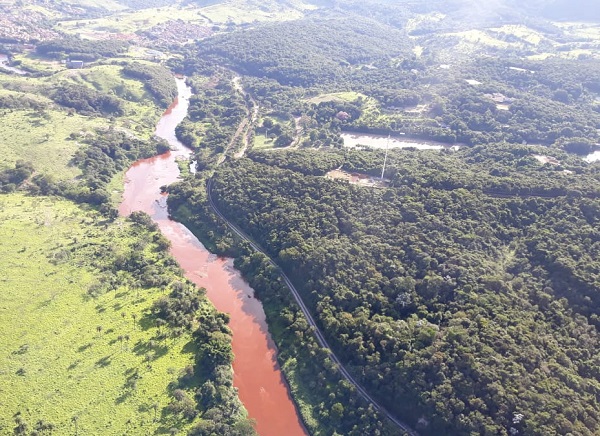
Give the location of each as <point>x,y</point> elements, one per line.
<point>387,146</point>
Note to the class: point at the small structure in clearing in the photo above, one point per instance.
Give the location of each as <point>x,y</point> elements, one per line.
<point>72,63</point>
<point>546,159</point>
<point>358,178</point>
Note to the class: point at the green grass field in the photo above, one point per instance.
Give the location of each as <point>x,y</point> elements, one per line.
<point>105,78</point>
<point>30,61</point>
<point>348,96</point>
<point>111,5</point>
<point>261,142</point>
<point>42,138</point>
<point>248,11</point>
<point>64,355</point>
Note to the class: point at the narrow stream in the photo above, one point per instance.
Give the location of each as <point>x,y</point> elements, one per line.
<point>257,376</point>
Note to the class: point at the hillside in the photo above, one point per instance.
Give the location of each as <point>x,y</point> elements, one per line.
<point>449,304</point>
<point>102,333</point>
<point>421,178</point>
<point>85,348</point>
<point>510,83</point>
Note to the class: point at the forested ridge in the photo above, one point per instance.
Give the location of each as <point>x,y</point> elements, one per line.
<point>327,402</point>
<point>77,48</point>
<point>302,52</point>
<point>476,313</point>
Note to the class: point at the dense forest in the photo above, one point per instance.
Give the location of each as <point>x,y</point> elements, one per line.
<point>215,111</point>
<point>157,80</point>
<point>328,403</point>
<point>305,52</point>
<point>469,310</point>
<point>77,48</point>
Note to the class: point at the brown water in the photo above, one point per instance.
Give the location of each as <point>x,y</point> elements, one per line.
<point>257,376</point>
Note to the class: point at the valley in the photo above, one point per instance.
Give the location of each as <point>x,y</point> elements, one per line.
<point>311,217</point>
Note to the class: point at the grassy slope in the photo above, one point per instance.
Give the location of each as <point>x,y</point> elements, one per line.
<point>43,137</point>
<point>141,113</point>
<point>110,5</point>
<point>50,335</point>
<point>31,62</point>
<point>25,135</point>
<point>55,364</point>
<point>248,11</point>
<point>349,96</point>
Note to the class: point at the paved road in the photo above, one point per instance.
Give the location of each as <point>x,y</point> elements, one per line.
<point>318,334</point>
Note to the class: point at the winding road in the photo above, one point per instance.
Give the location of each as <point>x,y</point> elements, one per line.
<point>318,334</point>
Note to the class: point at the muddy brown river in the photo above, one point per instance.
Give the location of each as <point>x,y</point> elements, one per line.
<point>257,375</point>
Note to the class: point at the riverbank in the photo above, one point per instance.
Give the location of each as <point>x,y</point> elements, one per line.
<point>78,338</point>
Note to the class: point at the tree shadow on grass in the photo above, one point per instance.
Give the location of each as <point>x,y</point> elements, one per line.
<point>169,421</point>
<point>130,385</point>
<point>22,350</point>
<point>45,303</point>
<point>84,347</point>
<point>104,362</point>
<point>139,300</point>
<point>147,321</point>
<point>190,348</point>
<point>152,346</point>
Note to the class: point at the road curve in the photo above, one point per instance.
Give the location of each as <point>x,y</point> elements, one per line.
<point>318,334</point>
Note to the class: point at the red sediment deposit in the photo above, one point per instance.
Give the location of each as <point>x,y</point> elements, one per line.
<point>261,386</point>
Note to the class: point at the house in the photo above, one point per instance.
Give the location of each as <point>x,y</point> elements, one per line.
<point>74,64</point>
